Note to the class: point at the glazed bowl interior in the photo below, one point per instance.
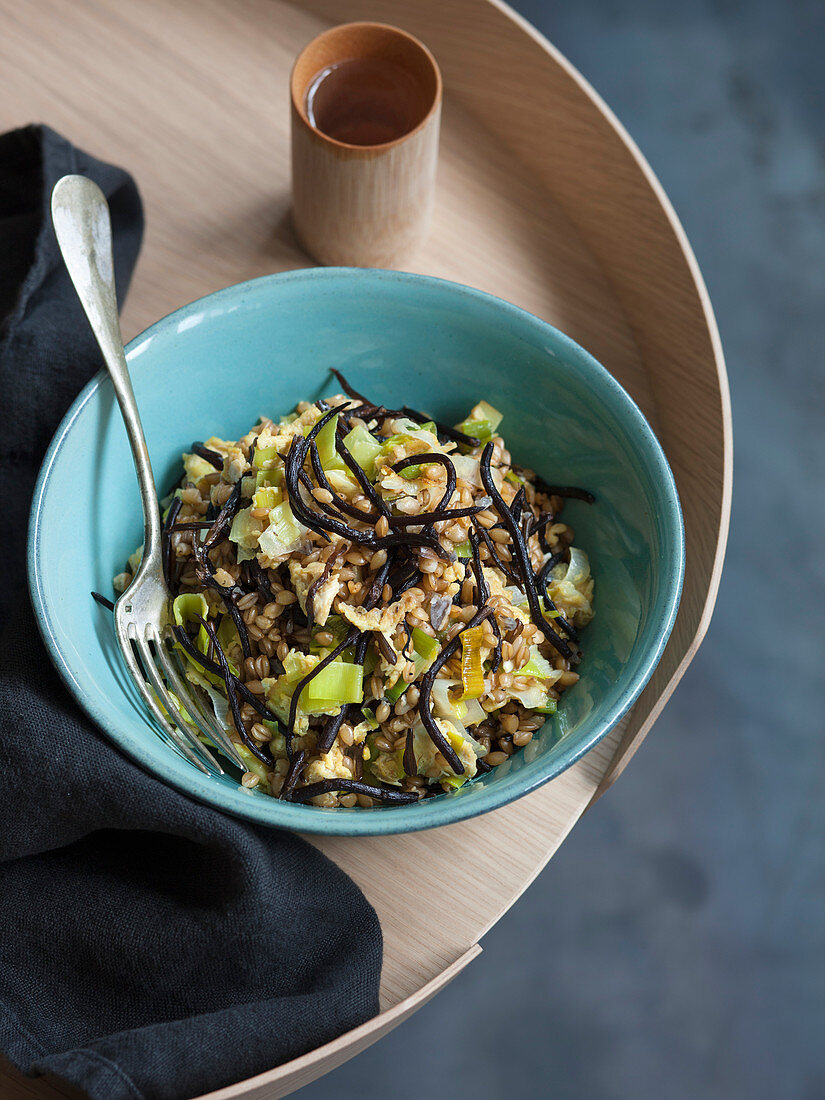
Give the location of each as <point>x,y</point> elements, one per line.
<point>258,348</point>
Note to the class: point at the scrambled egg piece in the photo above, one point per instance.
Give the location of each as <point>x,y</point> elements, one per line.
<point>303,577</point>
<point>281,435</point>
<point>574,601</point>
<point>386,768</point>
<point>499,589</point>
<point>359,734</point>
<point>453,573</point>
<point>329,765</point>
<point>425,751</point>
<point>196,467</point>
<point>384,619</point>
<point>234,462</point>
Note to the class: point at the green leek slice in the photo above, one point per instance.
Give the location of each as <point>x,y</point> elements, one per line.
<point>472,674</point>
<point>364,448</point>
<point>425,651</point>
<point>325,442</point>
<point>334,686</point>
<point>283,533</point>
<point>186,608</point>
<point>482,423</point>
<point>538,666</point>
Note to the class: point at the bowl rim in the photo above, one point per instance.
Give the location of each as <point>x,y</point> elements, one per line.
<point>451,808</point>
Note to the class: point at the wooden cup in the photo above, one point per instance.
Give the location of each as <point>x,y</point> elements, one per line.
<point>364,205</point>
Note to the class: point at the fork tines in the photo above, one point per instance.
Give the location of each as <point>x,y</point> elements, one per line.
<point>171,701</point>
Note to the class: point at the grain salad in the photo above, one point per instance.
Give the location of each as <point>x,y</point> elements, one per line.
<point>377,607</point>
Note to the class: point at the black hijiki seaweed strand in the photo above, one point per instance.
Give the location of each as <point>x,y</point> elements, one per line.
<point>330,509</point>
<point>385,649</point>
<point>522,557</point>
<point>293,776</point>
<point>333,724</point>
<point>366,412</point>
<point>206,663</point>
<point>538,526</point>
<point>542,580</point>
<point>166,539</point>
<point>405,576</point>
<point>103,601</point>
<point>322,525</point>
<point>224,518</point>
<point>360,476</point>
<point>350,392</point>
<point>323,483</point>
<point>191,525</point>
<point>445,515</point>
<point>293,465</point>
<point>211,666</point>
<point>502,566</point>
<point>405,538</point>
<point>354,786</point>
<point>330,728</point>
<point>425,689</point>
<point>409,760</point>
<point>483,589</point>
<point>430,458</point>
<point>256,704</point>
<point>257,574</point>
<point>204,568</point>
<point>544,573</point>
<point>321,579</point>
<point>210,649</point>
<point>358,760</point>
<point>451,434</point>
<point>373,597</point>
<point>264,755</point>
<point>367,406</point>
<point>208,455</point>
<point>329,731</point>
<point>544,596</point>
<point>566,492</point>
<point>237,618</point>
<point>313,672</point>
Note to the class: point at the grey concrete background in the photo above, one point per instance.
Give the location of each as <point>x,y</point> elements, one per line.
<point>675,947</point>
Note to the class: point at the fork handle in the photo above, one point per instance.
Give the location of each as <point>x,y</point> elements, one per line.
<point>80,215</point>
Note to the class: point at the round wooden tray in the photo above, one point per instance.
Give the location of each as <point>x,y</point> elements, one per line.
<point>542,199</point>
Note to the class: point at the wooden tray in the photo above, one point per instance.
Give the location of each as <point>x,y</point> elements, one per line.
<point>542,199</point>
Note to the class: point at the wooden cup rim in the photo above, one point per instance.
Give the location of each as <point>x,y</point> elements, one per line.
<point>299,82</point>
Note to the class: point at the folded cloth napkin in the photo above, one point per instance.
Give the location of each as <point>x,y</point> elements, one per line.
<point>150,947</point>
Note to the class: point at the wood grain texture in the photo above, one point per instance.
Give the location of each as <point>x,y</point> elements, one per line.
<point>541,199</point>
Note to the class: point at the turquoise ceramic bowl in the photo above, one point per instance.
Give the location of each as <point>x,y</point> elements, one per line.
<point>260,347</point>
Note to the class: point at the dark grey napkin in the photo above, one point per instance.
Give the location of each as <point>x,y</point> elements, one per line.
<point>149,947</point>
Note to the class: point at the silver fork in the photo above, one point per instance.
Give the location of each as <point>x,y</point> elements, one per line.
<point>142,614</point>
